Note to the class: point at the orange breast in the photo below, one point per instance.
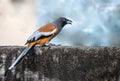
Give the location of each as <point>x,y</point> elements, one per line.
<point>45,40</point>
<point>42,41</point>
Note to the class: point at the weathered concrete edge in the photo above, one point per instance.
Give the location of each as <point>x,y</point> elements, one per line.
<point>86,54</point>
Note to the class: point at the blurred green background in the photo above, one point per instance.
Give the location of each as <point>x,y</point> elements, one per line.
<point>95,22</point>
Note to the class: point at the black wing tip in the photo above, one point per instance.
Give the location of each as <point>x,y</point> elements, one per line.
<point>26,43</point>
<point>7,72</point>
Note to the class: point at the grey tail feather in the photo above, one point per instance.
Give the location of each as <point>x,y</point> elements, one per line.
<point>24,53</point>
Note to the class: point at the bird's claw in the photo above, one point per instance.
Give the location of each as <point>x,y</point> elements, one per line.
<point>50,44</point>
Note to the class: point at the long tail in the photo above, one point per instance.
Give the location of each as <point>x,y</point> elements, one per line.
<point>24,53</point>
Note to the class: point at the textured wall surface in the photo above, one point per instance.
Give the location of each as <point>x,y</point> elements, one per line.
<point>58,63</point>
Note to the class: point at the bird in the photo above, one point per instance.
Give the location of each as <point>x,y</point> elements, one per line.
<point>41,36</point>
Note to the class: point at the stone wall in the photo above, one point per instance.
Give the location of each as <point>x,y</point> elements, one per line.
<point>62,63</point>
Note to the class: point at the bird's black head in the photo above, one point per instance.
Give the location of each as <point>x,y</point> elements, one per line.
<point>62,21</point>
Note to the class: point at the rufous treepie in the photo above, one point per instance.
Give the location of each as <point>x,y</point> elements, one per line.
<point>41,36</point>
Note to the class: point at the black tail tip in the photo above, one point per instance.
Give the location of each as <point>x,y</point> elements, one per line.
<point>7,72</point>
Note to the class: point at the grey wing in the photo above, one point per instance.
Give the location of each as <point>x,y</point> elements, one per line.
<point>37,35</point>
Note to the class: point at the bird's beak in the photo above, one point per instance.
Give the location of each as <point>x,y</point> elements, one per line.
<point>69,22</point>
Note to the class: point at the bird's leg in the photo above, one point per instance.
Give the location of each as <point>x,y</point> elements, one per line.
<point>43,45</point>
<point>51,44</point>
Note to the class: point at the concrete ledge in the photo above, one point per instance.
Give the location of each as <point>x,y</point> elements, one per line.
<point>62,63</point>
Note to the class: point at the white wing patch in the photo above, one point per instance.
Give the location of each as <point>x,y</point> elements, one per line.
<point>37,35</point>
<point>48,33</point>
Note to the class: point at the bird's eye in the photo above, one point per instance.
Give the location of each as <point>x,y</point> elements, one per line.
<point>64,19</point>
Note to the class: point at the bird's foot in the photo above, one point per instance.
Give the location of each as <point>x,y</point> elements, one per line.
<point>50,44</point>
